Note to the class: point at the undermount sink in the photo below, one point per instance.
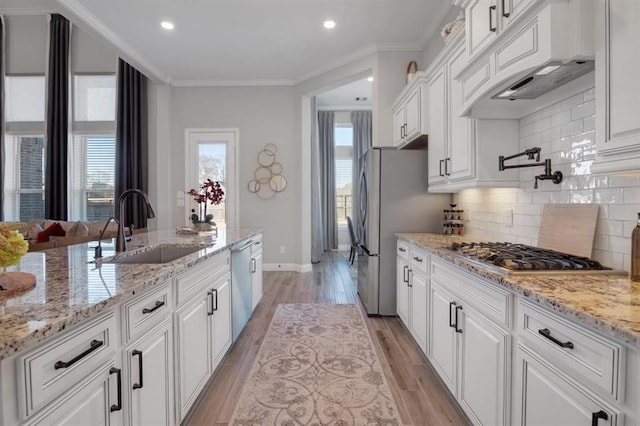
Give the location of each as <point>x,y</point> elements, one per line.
<point>160,254</point>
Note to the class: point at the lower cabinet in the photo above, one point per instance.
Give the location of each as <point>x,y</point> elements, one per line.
<point>442,345</point>
<point>402,290</point>
<point>203,326</point>
<point>97,401</point>
<point>545,396</point>
<point>412,285</point>
<point>150,378</point>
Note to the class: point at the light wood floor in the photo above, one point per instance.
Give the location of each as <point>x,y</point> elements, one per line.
<point>420,395</point>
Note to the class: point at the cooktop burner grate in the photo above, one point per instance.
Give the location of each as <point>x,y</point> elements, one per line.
<point>521,257</point>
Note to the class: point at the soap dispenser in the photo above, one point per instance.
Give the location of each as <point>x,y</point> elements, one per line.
<point>635,252</point>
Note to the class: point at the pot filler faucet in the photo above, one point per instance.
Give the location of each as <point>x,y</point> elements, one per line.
<point>121,243</point>
<point>532,153</point>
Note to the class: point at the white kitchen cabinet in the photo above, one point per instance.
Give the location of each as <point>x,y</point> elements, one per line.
<point>546,396</point>
<point>481,19</point>
<point>442,349</point>
<point>617,88</point>
<point>97,401</point>
<point>437,107</point>
<point>412,283</point>
<point>220,318</point>
<point>150,381</point>
<point>256,272</point>
<point>409,113</point>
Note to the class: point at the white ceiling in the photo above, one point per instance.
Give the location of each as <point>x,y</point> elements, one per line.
<point>254,41</point>
<point>344,97</point>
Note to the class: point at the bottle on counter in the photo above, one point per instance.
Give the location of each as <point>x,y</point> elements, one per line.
<point>635,252</point>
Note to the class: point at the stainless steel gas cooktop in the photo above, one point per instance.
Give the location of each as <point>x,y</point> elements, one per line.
<point>509,259</point>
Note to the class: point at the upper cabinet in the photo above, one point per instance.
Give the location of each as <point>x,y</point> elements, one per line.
<point>617,88</point>
<point>410,116</point>
<point>507,39</point>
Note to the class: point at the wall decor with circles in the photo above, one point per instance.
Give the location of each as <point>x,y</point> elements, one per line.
<point>268,179</point>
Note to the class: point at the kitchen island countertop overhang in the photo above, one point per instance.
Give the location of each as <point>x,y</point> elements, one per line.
<point>71,287</point>
<point>609,304</point>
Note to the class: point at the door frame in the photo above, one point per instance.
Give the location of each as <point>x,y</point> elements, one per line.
<point>233,169</point>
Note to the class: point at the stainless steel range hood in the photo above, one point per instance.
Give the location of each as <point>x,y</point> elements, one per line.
<point>545,79</point>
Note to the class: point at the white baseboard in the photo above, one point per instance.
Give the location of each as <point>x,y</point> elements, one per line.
<point>293,267</point>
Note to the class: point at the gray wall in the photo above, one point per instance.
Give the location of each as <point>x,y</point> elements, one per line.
<point>436,43</point>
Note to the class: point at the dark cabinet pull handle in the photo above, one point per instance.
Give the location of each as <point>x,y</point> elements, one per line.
<point>446,166</point>
<point>409,278</point>
<point>451,323</point>
<point>253,266</point>
<point>158,305</point>
<point>458,330</point>
<point>597,416</point>
<point>140,375</point>
<point>417,259</point>
<point>547,334</point>
<point>95,344</point>
<point>402,132</point>
<point>402,249</point>
<point>214,298</point>
<point>257,243</point>
<point>405,274</point>
<point>441,174</point>
<point>504,10</point>
<point>491,27</point>
<point>210,302</point>
<point>118,406</point>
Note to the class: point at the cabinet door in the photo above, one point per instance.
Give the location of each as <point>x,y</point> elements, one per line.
<point>418,300</point>
<point>483,369</point>
<point>481,17</point>
<point>509,9</point>
<point>88,404</point>
<point>256,279</point>
<point>618,91</point>
<point>150,384</point>
<point>398,126</point>
<point>544,397</point>
<point>194,350</point>
<point>442,342</point>
<point>412,115</point>
<point>221,326</point>
<point>437,104</point>
<point>461,130</point>
<point>402,292</point>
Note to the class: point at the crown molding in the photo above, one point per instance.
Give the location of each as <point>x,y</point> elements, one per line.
<point>440,14</point>
<point>83,15</point>
<point>21,11</point>
<point>232,83</point>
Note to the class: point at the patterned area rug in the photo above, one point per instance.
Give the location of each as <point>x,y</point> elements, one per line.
<point>316,366</point>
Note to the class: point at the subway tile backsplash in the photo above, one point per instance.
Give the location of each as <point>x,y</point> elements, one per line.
<point>566,133</point>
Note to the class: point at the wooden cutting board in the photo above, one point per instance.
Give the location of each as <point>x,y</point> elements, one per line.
<point>569,228</point>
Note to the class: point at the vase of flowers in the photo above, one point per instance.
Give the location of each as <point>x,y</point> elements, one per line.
<point>209,192</point>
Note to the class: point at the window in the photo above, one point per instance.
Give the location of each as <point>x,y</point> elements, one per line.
<point>212,165</point>
<point>24,99</point>
<point>343,137</point>
<point>94,98</point>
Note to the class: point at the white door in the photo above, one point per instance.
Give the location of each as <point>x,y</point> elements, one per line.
<point>402,291</point>
<point>194,350</point>
<point>413,114</point>
<point>419,289</point>
<point>151,378</point>
<point>212,154</point>
<point>437,95</point>
<point>482,17</point>
<point>544,398</point>
<point>398,127</point>
<point>221,318</point>
<point>442,344</point>
<point>256,278</point>
<point>482,369</point>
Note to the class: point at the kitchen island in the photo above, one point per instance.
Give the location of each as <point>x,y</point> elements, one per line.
<point>69,343</point>
<point>528,349</point>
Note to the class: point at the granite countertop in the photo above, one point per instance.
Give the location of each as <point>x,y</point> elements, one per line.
<point>609,304</point>
<point>71,287</point>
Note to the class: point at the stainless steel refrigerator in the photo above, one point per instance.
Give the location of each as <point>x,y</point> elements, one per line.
<point>392,198</point>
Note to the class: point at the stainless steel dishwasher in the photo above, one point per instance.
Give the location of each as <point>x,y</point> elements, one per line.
<point>240,285</point>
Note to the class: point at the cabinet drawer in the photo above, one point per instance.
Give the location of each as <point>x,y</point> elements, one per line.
<point>402,249</point>
<point>486,298</point>
<point>190,283</point>
<point>49,370</point>
<point>572,348</point>
<point>420,261</point>
<point>475,80</point>
<point>145,311</point>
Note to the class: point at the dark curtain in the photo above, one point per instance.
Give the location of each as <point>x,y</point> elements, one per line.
<point>317,225</point>
<point>362,129</point>
<point>131,142</point>
<point>328,178</point>
<point>1,118</point>
<point>57,123</point>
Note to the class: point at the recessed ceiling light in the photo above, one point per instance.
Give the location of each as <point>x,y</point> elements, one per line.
<point>166,25</point>
<point>329,24</point>
<point>370,78</point>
